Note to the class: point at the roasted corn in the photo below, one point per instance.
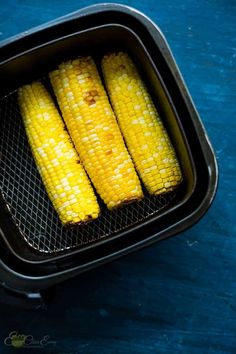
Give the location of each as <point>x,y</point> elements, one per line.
<point>64,178</point>
<point>143,131</point>
<point>93,127</point>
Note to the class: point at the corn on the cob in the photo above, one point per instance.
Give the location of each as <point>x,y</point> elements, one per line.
<point>64,178</point>
<point>146,138</point>
<point>92,125</point>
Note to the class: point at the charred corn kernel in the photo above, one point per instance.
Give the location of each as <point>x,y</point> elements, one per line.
<point>146,138</point>
<point>92,125</point>
<point>64,178</point>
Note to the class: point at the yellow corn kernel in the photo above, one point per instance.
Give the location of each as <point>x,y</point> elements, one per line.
<point>145,136</point>
<point>92,125</point>
<point>64,178</point>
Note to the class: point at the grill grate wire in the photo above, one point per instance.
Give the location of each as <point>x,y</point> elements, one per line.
<point>32,211</point>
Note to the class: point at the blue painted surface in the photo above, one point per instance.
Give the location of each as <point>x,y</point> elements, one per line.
<point>178,296</point>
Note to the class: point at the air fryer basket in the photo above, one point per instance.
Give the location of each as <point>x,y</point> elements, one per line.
<point>30,226</point>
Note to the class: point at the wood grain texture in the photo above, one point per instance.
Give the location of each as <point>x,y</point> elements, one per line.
<point>178,296</point>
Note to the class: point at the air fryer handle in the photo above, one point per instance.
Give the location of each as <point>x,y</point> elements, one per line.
<point>27,300</point>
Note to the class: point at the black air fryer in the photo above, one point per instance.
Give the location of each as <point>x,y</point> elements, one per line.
<point>36,252</point>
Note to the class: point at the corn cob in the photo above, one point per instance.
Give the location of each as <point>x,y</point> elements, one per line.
<point>94,131</point>
<point>64,178</point>
<point>146,138</point>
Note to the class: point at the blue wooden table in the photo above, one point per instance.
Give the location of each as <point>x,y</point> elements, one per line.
<point>178,296</point>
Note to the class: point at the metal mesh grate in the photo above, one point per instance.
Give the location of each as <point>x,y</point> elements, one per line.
<point>33,212</point>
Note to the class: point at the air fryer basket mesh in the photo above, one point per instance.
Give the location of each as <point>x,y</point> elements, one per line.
<point>28,202</point>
